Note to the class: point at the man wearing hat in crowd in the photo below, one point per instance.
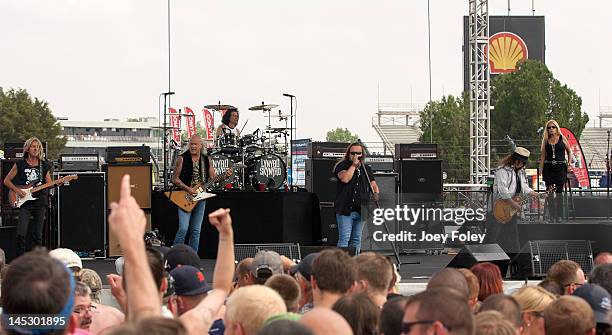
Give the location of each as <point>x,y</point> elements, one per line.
<point>265,264</point>
<point>69,258</point>
<point>302,272</point>
<point>510,180</point>
<point>601,303</point>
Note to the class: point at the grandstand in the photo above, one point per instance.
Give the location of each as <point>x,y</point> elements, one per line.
<point>594,145</point>
<point>397,123</point>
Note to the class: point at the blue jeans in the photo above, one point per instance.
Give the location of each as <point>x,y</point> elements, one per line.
<point>192,223</point>
<point>349,230</point>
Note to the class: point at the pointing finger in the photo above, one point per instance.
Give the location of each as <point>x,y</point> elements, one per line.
<point>125,187</point>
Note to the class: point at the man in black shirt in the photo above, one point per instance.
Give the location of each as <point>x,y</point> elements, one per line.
<point>352,192</point>
<point>33,170</point>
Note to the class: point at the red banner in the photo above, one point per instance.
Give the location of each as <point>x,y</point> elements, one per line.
<point>579,166</point>
<point>209,122</point>
<point>175,123</point>
<point>191,124</point>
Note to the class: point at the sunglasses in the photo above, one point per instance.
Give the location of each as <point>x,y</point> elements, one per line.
<point>356,152</point>
<point>407,326</point>
<point>551,127</point>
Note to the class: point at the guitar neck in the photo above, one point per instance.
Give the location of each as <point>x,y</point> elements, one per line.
<point>42,187</point>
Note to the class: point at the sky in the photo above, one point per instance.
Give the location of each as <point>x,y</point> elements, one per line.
<point>96,59</point>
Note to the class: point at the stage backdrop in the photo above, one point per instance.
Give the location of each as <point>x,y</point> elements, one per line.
<point>580,168</point>
<point>511,39</point>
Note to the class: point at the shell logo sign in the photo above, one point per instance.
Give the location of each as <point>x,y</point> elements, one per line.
<point>505,51</point>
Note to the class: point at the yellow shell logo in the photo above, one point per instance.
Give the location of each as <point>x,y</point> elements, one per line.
<point>505,51</point>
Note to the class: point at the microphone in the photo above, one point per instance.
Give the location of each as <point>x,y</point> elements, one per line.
<point>168,93</point>
<point>288,95</point>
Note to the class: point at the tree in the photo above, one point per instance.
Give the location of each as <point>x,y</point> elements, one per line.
<point>341,135</point>
<point>22,117</point>
<point>525,99</point>
<point>450,119</point>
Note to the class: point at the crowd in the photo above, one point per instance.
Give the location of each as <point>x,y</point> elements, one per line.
<point>162,291</point>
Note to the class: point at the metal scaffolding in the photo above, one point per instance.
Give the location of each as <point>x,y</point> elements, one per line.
<point>479,91</point>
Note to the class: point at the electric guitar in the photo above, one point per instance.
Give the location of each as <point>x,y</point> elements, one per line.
<point>503,211</point>
<point>16,201</point>
<point>187,201</point>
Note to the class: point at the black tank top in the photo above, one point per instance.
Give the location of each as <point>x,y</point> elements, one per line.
<point>555,152</point>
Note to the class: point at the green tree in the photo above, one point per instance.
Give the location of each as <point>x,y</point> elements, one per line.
<point>22,117</point>
<point>341,135</point>
<point>450,119</point>
<point>525,99</point>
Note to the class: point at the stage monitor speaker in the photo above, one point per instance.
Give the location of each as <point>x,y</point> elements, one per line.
<point>420,180</point>
<point>387,184</point>
<point>536,257</point>
<point>81,214</point>
<point>320,178</point>
<point>140,182</point>
<point>328,234</point>
<point>114,247</point>
<point>470,255</point>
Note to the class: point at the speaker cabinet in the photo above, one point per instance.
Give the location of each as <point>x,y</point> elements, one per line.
<point>114,247</point>
<point>387,184</point>
<point>477,253</point>
<point>8,236</point>
<point>536,257</point>
<point>81,214</point>
<point>320,178</point>
<point>5,166</point>
<point>140,182</point>
<point>329,227</point>
<point>420,180</point>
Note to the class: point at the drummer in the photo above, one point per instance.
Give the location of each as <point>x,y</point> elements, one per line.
<point>229,123</point>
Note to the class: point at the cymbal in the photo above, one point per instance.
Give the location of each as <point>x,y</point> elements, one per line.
<point>262,107</point>
<point>219,107</point>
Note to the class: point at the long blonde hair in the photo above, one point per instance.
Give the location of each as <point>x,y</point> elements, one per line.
<point>28,144</point>
<point>545,132</point>
<point>533,298</point>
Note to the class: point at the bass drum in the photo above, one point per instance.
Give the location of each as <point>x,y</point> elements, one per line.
<point>268,172</point>
<point>221,163</point>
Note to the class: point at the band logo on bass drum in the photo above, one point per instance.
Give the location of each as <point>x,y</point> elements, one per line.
<point>271,168</point>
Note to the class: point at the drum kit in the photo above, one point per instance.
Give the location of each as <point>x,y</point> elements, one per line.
<point>258,160</point>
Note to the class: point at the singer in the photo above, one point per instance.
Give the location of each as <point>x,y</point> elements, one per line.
<point>352,192</point>
<point>554,166</point>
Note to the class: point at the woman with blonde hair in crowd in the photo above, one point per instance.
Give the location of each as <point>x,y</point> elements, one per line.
<point>554,165</point>
<point>533,301</point>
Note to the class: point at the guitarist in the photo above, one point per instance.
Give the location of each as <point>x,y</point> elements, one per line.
<point>192,169</point>
<point>32,170</point>
<point>510,180</point>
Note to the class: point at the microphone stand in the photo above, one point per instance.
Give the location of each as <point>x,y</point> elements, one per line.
<point>393,246</point>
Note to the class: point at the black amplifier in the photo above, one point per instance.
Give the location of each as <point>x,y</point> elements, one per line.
<point>128,155</point>
<point>416,151</point>
<point>330,150</point>
<point>79,162</point>
<point>15,149</point>
<point>380,163</point>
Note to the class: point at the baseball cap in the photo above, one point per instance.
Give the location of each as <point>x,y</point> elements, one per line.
<point>182,254</point>
<point>188,281</point>
<point>267,259</point>
<point>598,298</point>
<point>282,316</point>
<point>68,257</point>
<point>304,266</point>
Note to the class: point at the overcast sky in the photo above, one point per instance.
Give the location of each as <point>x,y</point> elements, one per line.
<point>94,59</point>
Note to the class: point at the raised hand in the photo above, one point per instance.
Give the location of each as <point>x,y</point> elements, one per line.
<point>127,220</point>
<point>222,220</point>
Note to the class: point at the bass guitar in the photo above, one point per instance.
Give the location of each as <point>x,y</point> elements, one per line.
<point>503,211</point>
<point>187,202</point>
<point>16,201</point>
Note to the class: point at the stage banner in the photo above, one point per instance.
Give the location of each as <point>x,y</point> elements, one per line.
<point>175,123</point>
<point>191,126</point>
<point>209,122</point>
<point>579,166</point>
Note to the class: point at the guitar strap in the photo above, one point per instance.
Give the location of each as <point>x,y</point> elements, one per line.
<point>518,183</point>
